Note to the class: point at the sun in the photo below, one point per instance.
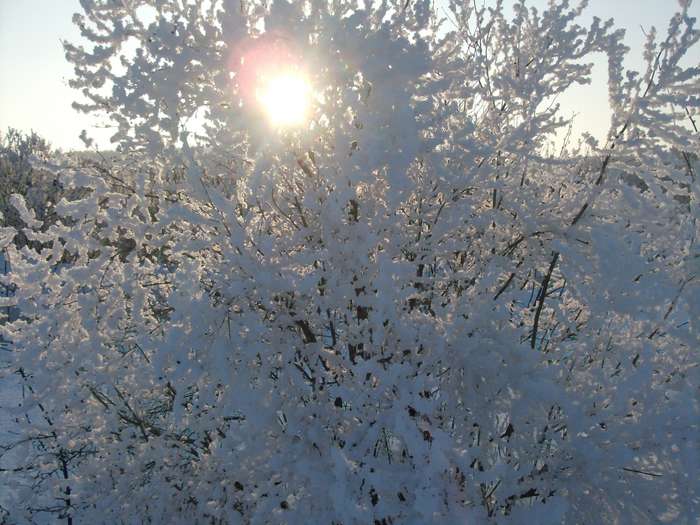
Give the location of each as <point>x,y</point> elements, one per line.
<point>285,98</point>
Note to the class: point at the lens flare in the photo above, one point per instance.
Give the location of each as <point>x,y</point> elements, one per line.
<point>269,74</point>
<point>285,99</point>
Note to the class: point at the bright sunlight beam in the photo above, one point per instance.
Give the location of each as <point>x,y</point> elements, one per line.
<point>285,98</point>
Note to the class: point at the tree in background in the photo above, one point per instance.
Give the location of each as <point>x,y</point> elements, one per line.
<point>401,310</point>
<point>19,154</point>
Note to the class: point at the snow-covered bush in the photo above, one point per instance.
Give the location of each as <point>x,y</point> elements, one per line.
<point>401,311</point>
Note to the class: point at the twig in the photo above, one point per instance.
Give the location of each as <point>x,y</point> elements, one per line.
<point>542,297</point>
<point>652,474</point>
<point>503,288</point>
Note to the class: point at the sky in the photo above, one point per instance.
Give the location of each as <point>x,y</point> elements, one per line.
<point>34,91</point>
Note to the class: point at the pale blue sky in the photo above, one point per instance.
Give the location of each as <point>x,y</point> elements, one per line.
<point>34,92</point>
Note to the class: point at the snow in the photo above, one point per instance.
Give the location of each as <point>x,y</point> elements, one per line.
<point>403,310</point>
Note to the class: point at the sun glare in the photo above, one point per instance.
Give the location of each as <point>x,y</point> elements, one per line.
<point>285,98</point>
